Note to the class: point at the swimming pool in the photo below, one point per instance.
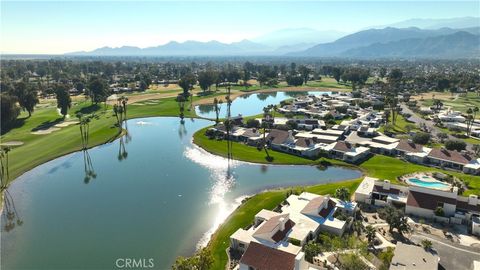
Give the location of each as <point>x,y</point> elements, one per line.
<point>428,184</point>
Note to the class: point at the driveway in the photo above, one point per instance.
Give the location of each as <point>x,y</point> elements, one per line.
<point>452,256</point>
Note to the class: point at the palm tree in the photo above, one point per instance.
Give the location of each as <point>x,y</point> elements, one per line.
<point>357,226</point>
<point>84,125</point>
<point>438,104</point>
<point>7,150</point>
<point>470,120</point>
<point>402,225</point>
<point>343,194</point>
<point>426,244</point>
<point>118,111</point>
<point>123,101</point>
<point>181,106</point>
<point>274,109</point>
<point>264,125</point>
<point>370,233</point>
<point>217,108</point>
<point>4,167</point>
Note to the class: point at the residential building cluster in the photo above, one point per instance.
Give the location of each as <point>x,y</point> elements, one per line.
<point>275,238</point>
<point>351,140</point>
<point>282,234</point>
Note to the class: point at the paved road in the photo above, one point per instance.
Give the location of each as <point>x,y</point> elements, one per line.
<point>430,124</point>
<point>452,256</point>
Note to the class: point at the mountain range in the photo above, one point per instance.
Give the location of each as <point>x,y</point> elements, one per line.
<point>461,22</point>
<point>387,42</point>
<point>191,47</point>
<point>297,36</point>
<point>460,44</point>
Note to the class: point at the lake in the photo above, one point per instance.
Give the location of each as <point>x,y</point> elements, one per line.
<point>250,104</point>
<point>160,200</point>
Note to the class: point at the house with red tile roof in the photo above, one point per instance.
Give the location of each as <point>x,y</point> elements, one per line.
<point>461,161</point>
<point>260,257</point>
<point>347,152</point>
<point>300,220</point>
<point>421,201</point>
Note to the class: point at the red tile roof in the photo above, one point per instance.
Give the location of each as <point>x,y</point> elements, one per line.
<point>277,136</point>
<point>427,201</point>
<point>270,225</point>
<point>406,146</point>
<point>280,235</point>
<point>342,146</point>
<point>304,142</point>
<point>326,211</point>
<point>453,156</point>
<point>261,257</point>
<point>313,204</point>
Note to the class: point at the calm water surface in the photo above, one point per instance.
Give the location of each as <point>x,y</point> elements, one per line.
<point>250,104</point>
<point>160,201</point>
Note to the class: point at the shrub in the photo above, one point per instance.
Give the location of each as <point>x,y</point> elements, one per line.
<point>439,212</point>
<point>356,94</point>
<point>426,244</point>
<point>379,106</point>
<point>295,242</point>
<point>253,123</point>
<point>455,129</point>
<point>421,138</point>
<point>294,80</point>
<point>291,124</point>
<point>311,250</point>
<point>455,145</point>
<point>342,109</point>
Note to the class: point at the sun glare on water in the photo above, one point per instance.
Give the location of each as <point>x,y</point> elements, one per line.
<point>221,173</point>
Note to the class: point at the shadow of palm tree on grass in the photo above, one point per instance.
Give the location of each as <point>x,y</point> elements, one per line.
<point>19,122</point>
<point>89,109</point>
<point>48,124</point>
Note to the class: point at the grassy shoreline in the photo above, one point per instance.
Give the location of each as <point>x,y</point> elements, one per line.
<point>39,149</point>
<point>379,166</point>
<point>245,213</point>
<point>251,154</point>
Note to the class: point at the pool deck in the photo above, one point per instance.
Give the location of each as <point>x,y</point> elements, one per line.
<point>425,178</point>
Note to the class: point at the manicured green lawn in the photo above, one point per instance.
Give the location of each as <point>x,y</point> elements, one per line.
<point>378,166</point>
<point>467,140</point>
<point>38,149</point>
<point>390,168</point>
<point>329,83</point>
<point>462,103</point>
<point>400,125</point>
<point>245,214</point>
<point>252,154</point>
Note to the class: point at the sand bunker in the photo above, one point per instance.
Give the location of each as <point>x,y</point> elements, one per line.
<point>45,131</point>
<point>66,124</point>
<point>11,143</point>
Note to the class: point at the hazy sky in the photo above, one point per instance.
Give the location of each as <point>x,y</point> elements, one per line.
<point>58,27</point>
